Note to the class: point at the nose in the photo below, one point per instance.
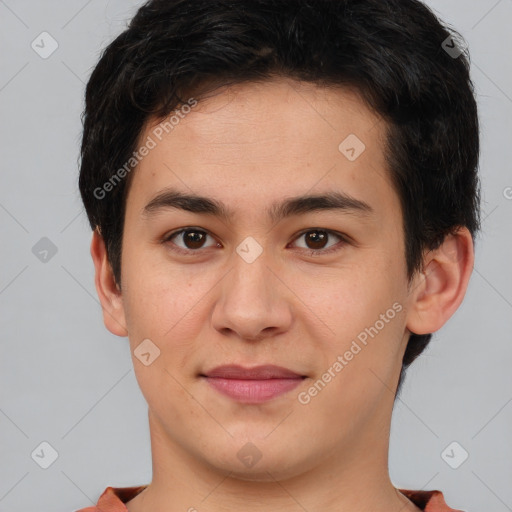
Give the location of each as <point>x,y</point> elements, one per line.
<point>254,303</point>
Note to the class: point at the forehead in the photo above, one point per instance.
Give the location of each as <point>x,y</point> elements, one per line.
<point>248,145</point>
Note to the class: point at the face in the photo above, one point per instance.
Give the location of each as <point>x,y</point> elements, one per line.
<point>287,251</point>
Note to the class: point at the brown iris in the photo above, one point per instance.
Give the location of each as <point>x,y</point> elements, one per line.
<point>193,239</point>
<point>317,238</point>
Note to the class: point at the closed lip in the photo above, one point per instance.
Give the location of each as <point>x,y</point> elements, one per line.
<point>262,372</point>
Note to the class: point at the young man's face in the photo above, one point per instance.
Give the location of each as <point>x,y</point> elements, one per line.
<point>321,292</point>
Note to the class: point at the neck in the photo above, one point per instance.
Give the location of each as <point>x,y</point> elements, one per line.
<point>355,479</point>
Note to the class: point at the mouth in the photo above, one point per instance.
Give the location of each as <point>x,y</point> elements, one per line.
<point>252,385</point>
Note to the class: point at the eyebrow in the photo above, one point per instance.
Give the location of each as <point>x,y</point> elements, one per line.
<point>299,205</point>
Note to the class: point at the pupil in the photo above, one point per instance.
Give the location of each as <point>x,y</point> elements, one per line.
<point>193,239</point>
<point>318,238</point>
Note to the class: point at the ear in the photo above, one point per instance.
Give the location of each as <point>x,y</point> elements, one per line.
<point>108,292</point>
<point>438,290</point>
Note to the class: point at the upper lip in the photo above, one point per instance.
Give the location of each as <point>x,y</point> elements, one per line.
<point>262,372</point>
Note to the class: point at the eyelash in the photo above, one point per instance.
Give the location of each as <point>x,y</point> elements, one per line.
<point>312,252</point>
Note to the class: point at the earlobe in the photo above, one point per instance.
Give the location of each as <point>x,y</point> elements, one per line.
<point>440,288</point>
<point>109,294</point>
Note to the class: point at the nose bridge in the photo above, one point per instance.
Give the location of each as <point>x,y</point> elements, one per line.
<point>250,283</point>
<point>251,300</point>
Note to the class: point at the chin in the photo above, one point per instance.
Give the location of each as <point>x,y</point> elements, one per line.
<point>258,461</point>
<point>262,472</point>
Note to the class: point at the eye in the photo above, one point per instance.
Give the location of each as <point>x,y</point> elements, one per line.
<point>191,240</point>
<point>318,241</point>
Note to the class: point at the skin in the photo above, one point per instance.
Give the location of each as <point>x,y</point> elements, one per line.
<point>249,146</point>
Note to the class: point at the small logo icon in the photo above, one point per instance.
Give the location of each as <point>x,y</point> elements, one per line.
<point>451,48</point>
<point>44,455</point>
<point>249,250</point>
<point>44,45</point>
<point>352,147</point>
<point>44,250</point>
<point>146,352</point>
<point>454,455</point>
<point>507,193</point>
<point>249,455</point>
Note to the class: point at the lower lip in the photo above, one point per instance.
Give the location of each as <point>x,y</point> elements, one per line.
<point>253,391</point>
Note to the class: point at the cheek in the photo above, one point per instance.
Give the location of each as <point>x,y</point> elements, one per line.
<point>158,296</point>
<point>362,308</point>
<point>162,307</point>
<point>346,298</point>
<point>168,308</point>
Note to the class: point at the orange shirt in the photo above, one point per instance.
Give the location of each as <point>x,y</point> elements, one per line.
<point>114,498</point>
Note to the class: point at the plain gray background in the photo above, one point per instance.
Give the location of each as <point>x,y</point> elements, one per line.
<point>67,381</point>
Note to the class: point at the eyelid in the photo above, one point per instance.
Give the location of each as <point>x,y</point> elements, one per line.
<point>343,238</point>
<point>168,236</point>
